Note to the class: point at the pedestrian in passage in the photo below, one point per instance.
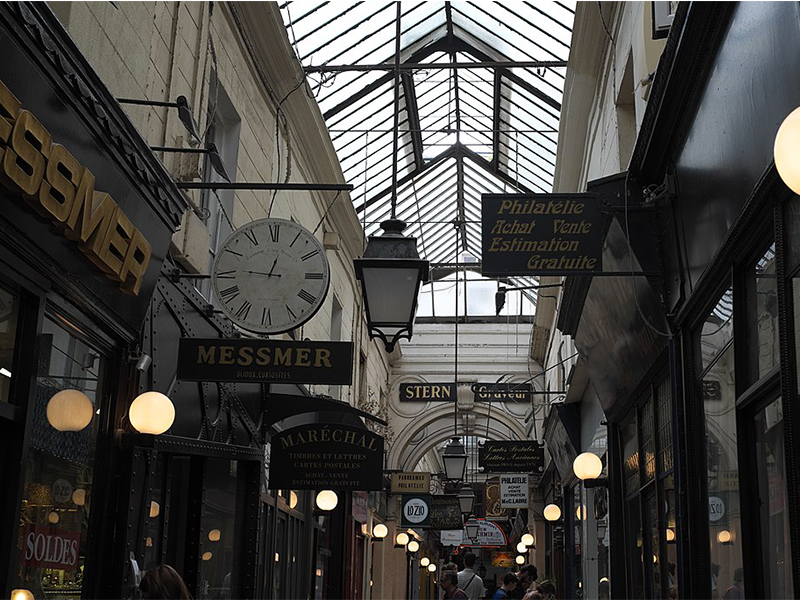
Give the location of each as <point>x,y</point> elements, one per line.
<point>163,583</point>
<point>547,590</point>
<point>468,580</point>
<point>527,582</point>
<point>510,583</point>
<point>449,584</point>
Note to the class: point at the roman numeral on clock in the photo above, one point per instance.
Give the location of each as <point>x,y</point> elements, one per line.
<point>289,310</point>
<point>225,274</point>
<point>309,255</point>
<point>306,296</point>
<point>229,294</point>
<point>313,275</point>
<point>274,232</point>
<point>250,234</point>
<point>266,317</point>
<point>244,310</point>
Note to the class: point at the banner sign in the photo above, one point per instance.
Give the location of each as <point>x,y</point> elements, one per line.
<point>415,510</point>
<point>445,513</point>
<point>261,361</point>
<point>490,535</point>
<point>411,483</point>
<point>50,548</point>
<point>511,457</point>
<point>452,537</point>
<point>502,392</point>
<point>321,456</point>
<point>503,559</point>
<point>415,392</point>
<point>492,507</point>
<point>541,234</point>
<point>514,491</point>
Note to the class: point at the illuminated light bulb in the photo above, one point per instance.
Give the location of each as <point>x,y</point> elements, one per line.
<point>327,500</point>
<point>152,412</point>
<point>292,499</point>
<point>53,517</point>
<point>207,556</point>
<point>604,580</point>
<point>319,572</point>
<point>552,512</point>
<point>424,561</point>
<point>380,531</point>
<point>522,548</point>
<point>527,539</point>
<point>580,513</point>
<point>670,535</point>
<point>155,509</point>
<point>401,539</point>
<point>21,594</point>
<point>520,560</point>
<point>79,497</point>
<point>412,546</point>
<point>724,537</point>
<point>587,466</point>
<point>69,410</point>
<point>787,151</point>
<point>214,535</point>
<point>431,568</point>
<point>277,557</point>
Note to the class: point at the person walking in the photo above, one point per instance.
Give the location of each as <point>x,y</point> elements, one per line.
<point>163,583</point>
<point>449,584</point>
<point>527,576</point>
<point>468,580</point>
<point>510,583</point>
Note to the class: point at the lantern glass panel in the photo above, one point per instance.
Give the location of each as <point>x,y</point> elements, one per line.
<point>391,294</point>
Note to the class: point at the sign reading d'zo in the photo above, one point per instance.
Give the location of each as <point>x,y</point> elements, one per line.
<point>324,456</point>
<point>541,234</point>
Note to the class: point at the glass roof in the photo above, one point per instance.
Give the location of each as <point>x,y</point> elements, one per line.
<point>480,100</point>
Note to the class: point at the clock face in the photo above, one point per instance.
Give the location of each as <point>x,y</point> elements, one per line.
<point>271,276</point>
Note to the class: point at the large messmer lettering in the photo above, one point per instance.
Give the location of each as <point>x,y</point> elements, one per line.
<point>60,189</point>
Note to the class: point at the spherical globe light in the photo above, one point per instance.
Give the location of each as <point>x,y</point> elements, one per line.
<point>520,560</point>
<point>292,499</point>
<point>522,548</point>
<point>580,513</point>
<point>327,500</point>
<point>380,531</point>
<point>424,561</point>
<point>79,497</point>
<point>552,512</point>
<point>214,535</point>
<point>527,539</point>
<point>724,537</point>
<point>787,151</point>
<point>401,539</point>
<point>69,410</point>
<point>412,546</point>
<point>207,555</point>
<point>53,517</point>
<point>604,580</point>
<point>432,568</point>
<point>155,509</point>
<point>152,412</point>
<point>670,534</point>
<point>587,466</point>
<point>21,595</point>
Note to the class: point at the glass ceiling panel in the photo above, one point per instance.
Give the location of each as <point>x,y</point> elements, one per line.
<point>454,143</point>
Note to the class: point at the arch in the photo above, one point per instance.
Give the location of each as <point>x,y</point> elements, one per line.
<point>432,441</point>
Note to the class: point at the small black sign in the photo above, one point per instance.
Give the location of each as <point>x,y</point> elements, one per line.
<point>512,457</point>
<point>425,392</point>
<point>415,510</point>
<point>502,392</point>
<point>260,361</point>
<point>541,234</point>
<point>324,456</point>
<point>445,513</point>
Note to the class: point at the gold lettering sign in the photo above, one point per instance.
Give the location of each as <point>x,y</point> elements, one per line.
<point>60,189</point>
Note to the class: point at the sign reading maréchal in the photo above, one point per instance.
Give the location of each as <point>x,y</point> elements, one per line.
<point>321,456</point>
<point>541,234</point>
<point>248,360</point>
<point>511,457</point>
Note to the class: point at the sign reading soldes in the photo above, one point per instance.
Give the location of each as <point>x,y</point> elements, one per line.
<point>50,548</point>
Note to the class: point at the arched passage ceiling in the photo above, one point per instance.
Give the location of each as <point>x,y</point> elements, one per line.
<point>480,103</point>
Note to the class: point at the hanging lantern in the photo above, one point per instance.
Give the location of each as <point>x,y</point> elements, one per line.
<point>327,500</point>
<point>79,497</point>
<point>527,539</point>
<point>552,512</point>
<point>155,509</point>
<point>472,527</point>
<point>152,412</point>
<point>424,561</point>
<point>412,546</point>
<point>466,499</point>
<point>455,460</point>
<point>69,410</point>
<point>520,560</point>
<point>587,466</point>
<point>380,531</point>
<point>214,535</point>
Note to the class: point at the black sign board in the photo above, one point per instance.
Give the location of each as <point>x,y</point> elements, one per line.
<point>445,513</point>
<point>424,392</point>
<point>322,456</point>
<point>502,392</point>
<point>415,510</point>
<point>541,234</point>
<point>259,361</point>
<point>512,457</point>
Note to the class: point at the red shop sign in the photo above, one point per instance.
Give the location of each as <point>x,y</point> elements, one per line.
<point>50,548</point>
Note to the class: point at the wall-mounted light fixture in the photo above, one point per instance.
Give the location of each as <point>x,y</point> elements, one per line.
<point>327,500</point>
<point>69,410</point>
<point>379,532</point>
<point>151,412</point>
<point>412,546</point>
<point>520,560</point>
<point>787,151</point>
<point>552,512</point>
<point>527,539</point>
<point>214,535</point>
<point>424,561</point>
<point>401,539</point>
<point>432,568</point>
<point>588,467</point>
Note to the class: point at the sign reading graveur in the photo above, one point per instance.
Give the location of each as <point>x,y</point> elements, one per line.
<point>412,392</point>
<point>541,234</point>
<point>512,457</point>
<point>502,392</point>
<point>256,361</point>
<point>324,456</point>
<point>445,513</point>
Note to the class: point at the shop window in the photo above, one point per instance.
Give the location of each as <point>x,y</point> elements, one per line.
<point>217,548</point>
<point>59,470</point>
<point>630,448</point>
<point>762,316</point>
<point>669,535</point>
<point>9,316</point>
<point>648,441</point>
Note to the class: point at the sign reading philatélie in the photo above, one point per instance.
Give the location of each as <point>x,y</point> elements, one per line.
<point>541,234</point>
<point>514,490</point>
<point>511,457</point>
<point>445,513</point>
<point>502,392</point>
<point>60,189</point>
<point>256,360</point>
<point>50,548</point>
<point>414,392</point>
<point>415,510</point>
<point>411,483</point>
<point>321,456</point>
<point>490,535</point>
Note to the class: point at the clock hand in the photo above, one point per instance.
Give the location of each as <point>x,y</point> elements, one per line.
<point>273,265</point>
<point>262,273</point>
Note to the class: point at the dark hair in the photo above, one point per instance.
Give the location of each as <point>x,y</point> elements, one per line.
<point>469,559</point>
<point>546,588</point>
<point>531,571</point>
<point>510,578</point>
<point>163,583</point>
<point>451,577</point>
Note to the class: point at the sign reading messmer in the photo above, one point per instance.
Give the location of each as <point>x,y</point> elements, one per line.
<point>322,456</point>
<point>541,234</point>
<point>257,361</point>
<point>514,491</point>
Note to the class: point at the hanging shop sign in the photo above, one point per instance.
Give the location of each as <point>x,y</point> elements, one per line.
<point>492,506</point>
<point>502,392</point>
<point>452,537</point>
<point>514,491</point>
<point>445,513</point>
<point>415,510</point>
<point>503,559</point>
<point>321,456</point>
<point>415,392</point>
<point>511,457</point>
<point>490,535</point>
<point>411,483</point>
<point>541,234</point>
<point>256,360</point>
<point>50,548</point>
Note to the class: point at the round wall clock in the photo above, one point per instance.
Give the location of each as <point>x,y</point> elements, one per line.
<point>271,276</point>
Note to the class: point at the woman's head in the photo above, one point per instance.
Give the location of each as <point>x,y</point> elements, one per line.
<point>163,582</point>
